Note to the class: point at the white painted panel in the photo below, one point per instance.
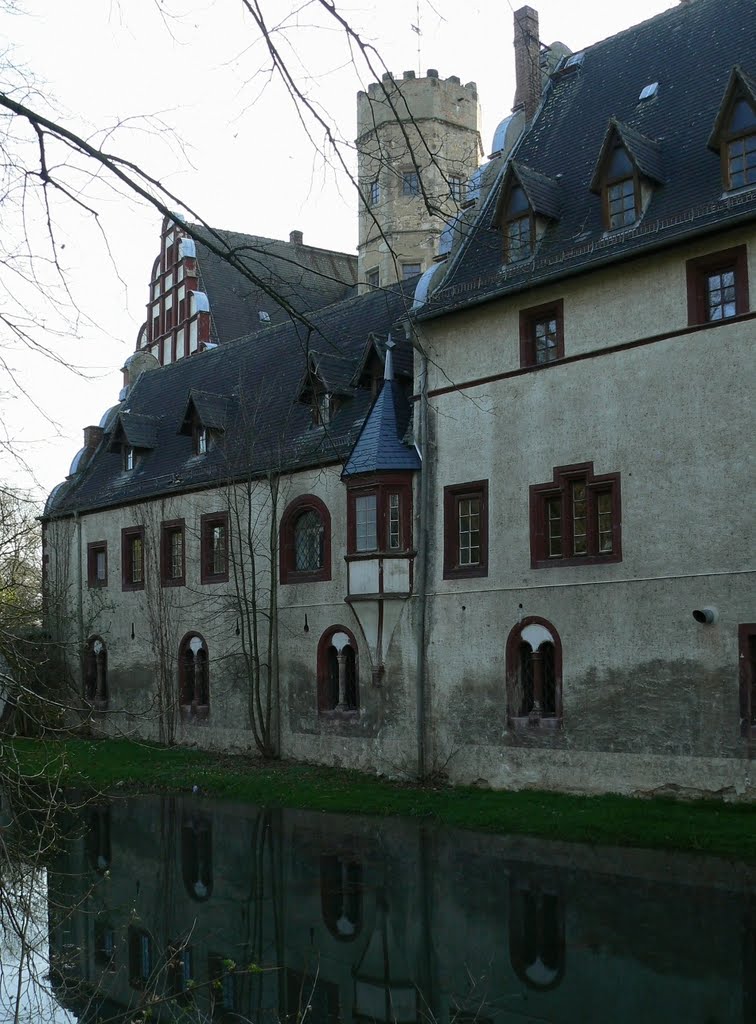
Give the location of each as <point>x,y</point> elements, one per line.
<point>396,575</point>
<point>363,577</point>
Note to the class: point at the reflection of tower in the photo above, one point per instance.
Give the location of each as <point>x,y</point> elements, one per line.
<point>418,141</point>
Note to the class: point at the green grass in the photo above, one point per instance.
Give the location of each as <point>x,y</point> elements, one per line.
<point>706,826</point>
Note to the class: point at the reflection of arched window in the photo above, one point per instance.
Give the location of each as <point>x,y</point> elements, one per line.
<point>305,541</point>
<point>341,896</point>
<point>98,838</point>
<point>197,856</point>
<point>194,676</point>
<point>536,934</point>
<point>534,674</point>
<point>96,672</point>
<point>338,677</point>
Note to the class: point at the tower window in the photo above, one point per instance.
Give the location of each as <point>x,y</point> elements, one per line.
<point>410,183</point>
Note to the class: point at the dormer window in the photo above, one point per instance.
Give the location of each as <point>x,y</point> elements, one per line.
<point>323,409</point>
<point>129,458</point>
<point>518,227</point>
<point>201,440</point>
<point>739,145</point>
<point>620,191</point>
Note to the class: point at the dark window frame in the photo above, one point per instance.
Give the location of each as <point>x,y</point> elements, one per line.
<point>453,494</point>
<point>456,187</point>
<point>137,977</point>
<point>747,680</point>
<point>374,192</point>
<point>697,271</point>
<point>516,216</point>
<point>415,273</point>
<point>128,535</point>
<point>559,487</point>
<point>207,524</point>
<point>609,181</point>
<point>288,572</point>
<point>167,528</point>
<point>729,136</point>
<point>93,550</point>
<point>411,187</point>
<point>373,277</point>
<point>382,487</point>
<point>516,720</point>
<point>529,318</point>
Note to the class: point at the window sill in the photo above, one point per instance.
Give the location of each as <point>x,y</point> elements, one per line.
<point>194,712</point>
<point>364,556</point>
<point>220,578</point>
<point>300,576</point>
<point>558,563</point>
<point>520,724</point>
<point>334,715</point>
<point>466,573</point>
<point>181,582</point>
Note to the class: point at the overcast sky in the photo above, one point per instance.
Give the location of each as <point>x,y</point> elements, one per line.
<point>229,143</point>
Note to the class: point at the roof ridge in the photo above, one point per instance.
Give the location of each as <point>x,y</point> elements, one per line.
<point>266,238</point>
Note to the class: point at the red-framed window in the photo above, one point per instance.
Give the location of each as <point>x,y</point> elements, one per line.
<point>466,530</point>
<point>97,564</point>
<point>214,547</point>
<point>747,659</point>
<point>305,541</point>
<point>542,334</point>
<point>717,285</point>
<point>576,518</point>
<point>534,674</point>
<point>379,517</point>
<point>132,558</point>
<point>172,553</point>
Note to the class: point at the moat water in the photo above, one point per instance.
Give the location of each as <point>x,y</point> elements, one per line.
<point>204,911</point>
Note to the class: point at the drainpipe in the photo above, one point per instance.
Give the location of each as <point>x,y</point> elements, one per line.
<point>421,578</point>
<point>79,602</point>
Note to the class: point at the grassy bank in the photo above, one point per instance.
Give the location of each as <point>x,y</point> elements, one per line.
<point>706,826</point>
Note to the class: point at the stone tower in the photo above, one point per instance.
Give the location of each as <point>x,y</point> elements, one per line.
<point>418,141</point>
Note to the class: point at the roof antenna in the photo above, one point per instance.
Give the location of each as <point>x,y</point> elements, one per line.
<point>418,33</point>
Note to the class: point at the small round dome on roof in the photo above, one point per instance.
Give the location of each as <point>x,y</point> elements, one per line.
<point>54,496</point>
<point>79,461</point>
<point>106,421</point>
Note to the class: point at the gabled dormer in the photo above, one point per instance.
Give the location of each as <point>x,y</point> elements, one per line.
<point>134,435</point>
<point>528,200</point>
<point>627,169</point>
<point>371,368</point>
<point>325,388</point>
<point>734,133</point>
<point>205,419</point>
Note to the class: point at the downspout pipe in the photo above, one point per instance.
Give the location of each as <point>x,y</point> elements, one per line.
<point>79,601</point>
<point>421,578</point>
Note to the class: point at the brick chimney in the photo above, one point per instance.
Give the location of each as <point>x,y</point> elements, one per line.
<point>92,437</point>
<point>527,61</point>
<point>296,237</point>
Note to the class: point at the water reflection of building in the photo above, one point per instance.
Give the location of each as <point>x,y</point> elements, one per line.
<point>243,913</point>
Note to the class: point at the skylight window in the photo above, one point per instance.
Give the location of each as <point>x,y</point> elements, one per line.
<point>648,91</point>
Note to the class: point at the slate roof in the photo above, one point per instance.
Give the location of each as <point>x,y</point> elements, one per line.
<point>211,410</point>
<point>380,446</point>
<point>690,51</point>
<point>644,152</point>
<point>304,276</point>
<point>266,426</point>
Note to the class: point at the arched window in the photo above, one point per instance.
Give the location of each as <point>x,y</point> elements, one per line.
<point>194,676</point>
<point>338,676</point>
<point>197,856</point>
<point>96,672</point>
<point>98,839</point>
<point>536,933</point>
<point>534,674</point>
<point>305,541</point>
<point>341,896</point>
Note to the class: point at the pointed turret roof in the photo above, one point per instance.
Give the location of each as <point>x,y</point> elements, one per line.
<point>380,448</point>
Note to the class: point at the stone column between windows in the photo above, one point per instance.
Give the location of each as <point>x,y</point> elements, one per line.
<point>342,660</point>
<point>537,709</point>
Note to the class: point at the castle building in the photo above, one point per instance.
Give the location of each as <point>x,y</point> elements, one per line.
<point>494,520</point>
